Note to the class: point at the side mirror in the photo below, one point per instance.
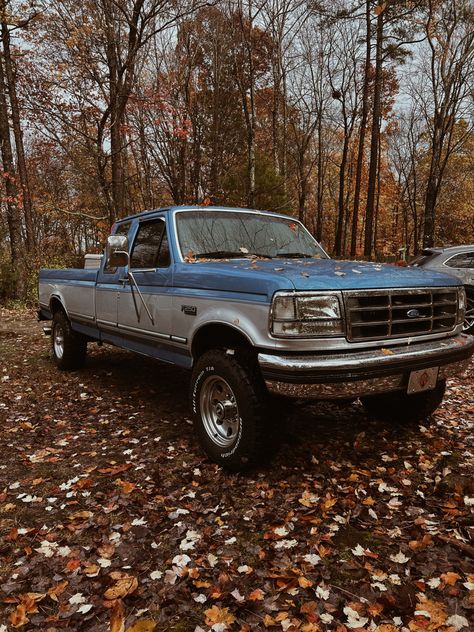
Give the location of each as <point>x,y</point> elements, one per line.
<point>117,251</point>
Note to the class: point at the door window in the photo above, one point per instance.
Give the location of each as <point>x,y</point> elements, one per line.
<point>463,260</point>
<point>151,249</point>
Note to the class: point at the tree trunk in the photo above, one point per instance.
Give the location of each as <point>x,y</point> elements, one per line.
<point>374,141</point>
<point>11,202</point>
<point>363,124</point>
<point>20,152</point>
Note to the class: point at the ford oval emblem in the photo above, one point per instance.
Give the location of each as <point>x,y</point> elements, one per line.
<point>413,313</point>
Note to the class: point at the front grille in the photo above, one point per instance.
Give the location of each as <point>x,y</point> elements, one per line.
<point>373,314</point>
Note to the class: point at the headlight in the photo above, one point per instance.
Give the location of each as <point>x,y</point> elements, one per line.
<point>306,315</point>
<point>461,305</point>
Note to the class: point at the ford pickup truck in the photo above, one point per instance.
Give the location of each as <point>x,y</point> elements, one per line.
<point>256,309</point>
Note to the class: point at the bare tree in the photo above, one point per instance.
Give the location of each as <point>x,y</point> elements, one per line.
<point>444,95</point>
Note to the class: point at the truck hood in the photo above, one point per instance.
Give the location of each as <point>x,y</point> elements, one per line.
<point>267,276</point>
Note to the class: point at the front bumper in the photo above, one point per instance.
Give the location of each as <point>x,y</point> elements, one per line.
<point>343,375</point>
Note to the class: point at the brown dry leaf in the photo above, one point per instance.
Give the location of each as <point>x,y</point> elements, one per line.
<point>309,607</point>
<point>200,584</point>
<point>117,618</point>
<point>18,617</point>
<point>72,565</point>
<point>117,469</point>
<point>106,550</point>
<point>310,627</point>
<point>374,609</point>
<point>32,596</point>
<point>54,591</point>
<point>257,595</point>
<point>387,627</point>
<point>91,570</point>
<point>268,621</point>
<point>126,486</point>
<point>327,504</point>
<point>450,578</point>
<point>144,625</point>
<point>124,585</point>
<point>81,515</point>
<point>386,351</point>
<point>437,615</point>
<point>218,615</point>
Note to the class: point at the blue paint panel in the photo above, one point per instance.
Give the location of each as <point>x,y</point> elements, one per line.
<point>243,276</point>
<point>78,275</point>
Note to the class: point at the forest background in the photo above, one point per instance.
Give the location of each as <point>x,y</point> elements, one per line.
<point>356,116</point>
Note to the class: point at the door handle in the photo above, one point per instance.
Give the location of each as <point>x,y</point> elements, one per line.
<point>124,280</point>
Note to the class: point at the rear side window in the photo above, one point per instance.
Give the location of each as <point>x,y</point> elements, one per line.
<point>151,249</point>
<point>463,260</point>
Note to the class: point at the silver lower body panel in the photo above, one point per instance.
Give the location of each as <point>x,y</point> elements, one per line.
<point>351,375</point>
<point>359,388</point>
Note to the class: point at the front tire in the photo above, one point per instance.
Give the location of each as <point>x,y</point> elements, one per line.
<point>228,403</point>
<point>68,347</point>
<point>468,325</point>
<point>403,408</point>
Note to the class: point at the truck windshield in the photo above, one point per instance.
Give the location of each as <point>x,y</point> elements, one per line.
<point>210,234</point>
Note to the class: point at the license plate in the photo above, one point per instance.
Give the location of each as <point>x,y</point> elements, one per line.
<point>423,380</point>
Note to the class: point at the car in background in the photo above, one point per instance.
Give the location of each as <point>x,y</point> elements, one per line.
<point>458,261</point>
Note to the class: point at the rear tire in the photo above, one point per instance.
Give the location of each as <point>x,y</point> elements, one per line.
<point>68,347</point>
<point>228,401</point>
<point>400,407</point>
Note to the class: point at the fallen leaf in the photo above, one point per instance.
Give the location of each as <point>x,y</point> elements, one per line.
<point>124,585</point>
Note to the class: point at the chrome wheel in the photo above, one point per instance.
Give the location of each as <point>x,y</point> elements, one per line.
<point>58,342</point>
<point>468,324</point>
<point>219,411</point>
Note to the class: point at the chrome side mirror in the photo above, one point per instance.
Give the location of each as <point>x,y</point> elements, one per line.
<point>117,251</point>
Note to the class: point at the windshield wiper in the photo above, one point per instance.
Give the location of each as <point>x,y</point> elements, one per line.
<point>229,254</point>
<point>294,255</point>
<point>219,254</point>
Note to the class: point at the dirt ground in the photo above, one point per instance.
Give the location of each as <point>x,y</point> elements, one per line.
<point>111,517</point>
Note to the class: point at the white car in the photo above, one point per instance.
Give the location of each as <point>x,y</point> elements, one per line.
<point>458,261</point>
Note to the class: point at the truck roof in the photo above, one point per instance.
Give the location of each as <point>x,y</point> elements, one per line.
<point>195,207</point>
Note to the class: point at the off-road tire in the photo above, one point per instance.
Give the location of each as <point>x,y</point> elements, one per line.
<point>231,381</point>
<point>399,407</point>
<point>468,326</point>
<point>68,347</point>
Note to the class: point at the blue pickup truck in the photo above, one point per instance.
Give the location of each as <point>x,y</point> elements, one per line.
<point>256,309</point>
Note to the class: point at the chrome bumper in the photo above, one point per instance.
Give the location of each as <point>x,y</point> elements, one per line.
<point>343,375</point>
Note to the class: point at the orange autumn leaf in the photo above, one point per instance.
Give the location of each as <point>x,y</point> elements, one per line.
<point>257,595</point>
<point>54,591</point>
<point>144,625</point>
<point>304,583</point>
<point>218,615</point>
<point>117,618</point>
<point>72,565</point>
<point>124,585</point>
<point>18,617</point>
<point>450,578</point>
<point>126,486</point>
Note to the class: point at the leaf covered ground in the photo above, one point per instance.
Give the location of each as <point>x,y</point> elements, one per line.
<point>111,518</point>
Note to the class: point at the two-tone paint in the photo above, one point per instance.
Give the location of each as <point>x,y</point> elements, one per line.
<point>190,301</point>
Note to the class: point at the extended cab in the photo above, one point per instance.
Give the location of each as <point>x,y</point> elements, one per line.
<point>253,305</point>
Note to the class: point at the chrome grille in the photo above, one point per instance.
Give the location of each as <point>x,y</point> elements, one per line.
<point>373,314</point>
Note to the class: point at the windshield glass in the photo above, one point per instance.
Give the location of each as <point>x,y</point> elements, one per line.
<point>226,234</point>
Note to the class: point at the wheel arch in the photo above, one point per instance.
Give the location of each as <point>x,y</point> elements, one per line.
<point>214,335</point>
<point>56,304</point>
